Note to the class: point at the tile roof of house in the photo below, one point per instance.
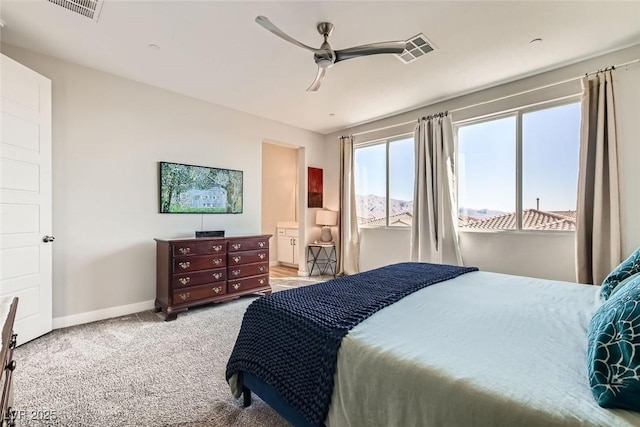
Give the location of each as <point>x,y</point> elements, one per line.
<point>463,220</point>
<point>532,219</point>
<point>569,214</point>
<point>401,219</point>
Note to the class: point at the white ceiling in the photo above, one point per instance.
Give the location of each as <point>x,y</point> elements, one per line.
<point>214,51</point>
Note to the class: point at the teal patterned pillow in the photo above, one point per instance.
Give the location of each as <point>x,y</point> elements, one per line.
<point>613,349</point>
<point>628,267</point>
<point>624,282</point>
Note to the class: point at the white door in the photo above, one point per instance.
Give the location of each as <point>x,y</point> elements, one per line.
<point>25,196</point>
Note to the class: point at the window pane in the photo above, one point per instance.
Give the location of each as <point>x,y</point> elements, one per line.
<point>370,175</point>
<point>401,177</point>
<point>487,174</point>
<point>550,153</point>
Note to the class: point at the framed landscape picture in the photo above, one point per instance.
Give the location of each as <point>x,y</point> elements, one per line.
<point>199,189</point>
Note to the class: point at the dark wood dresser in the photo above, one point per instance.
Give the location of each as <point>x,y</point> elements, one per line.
<point>196,271</point>
<point>8,307</point>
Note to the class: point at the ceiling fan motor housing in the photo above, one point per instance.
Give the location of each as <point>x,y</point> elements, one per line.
<point>325,59</point>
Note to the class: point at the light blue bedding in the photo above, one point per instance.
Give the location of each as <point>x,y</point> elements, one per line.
<point>483,349</point>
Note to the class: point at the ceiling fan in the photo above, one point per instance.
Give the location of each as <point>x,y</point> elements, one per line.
<point>325,56</point>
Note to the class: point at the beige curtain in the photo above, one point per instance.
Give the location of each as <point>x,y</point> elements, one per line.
<point>598,243</point>
<point>349,255</point>
<point>434,234</point>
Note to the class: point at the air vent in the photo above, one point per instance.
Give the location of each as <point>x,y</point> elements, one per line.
<point>88,8</point>
<point>416,47</point>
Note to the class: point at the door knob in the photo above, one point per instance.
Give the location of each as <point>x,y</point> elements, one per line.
<point>48,239</point>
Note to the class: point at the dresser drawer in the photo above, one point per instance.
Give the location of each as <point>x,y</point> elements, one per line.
<point>186,264</point>
<point>248,244</point>
<point>248,257</point>
<point>238,271</point>
<point>240,285</point>
<point>199,248</point>
<point>193,279</point>
<point>198,293</point>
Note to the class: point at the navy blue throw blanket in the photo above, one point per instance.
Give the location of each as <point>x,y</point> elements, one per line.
<point>291,339</point>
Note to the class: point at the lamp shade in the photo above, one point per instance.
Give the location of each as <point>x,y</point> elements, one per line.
<point>326,217</point>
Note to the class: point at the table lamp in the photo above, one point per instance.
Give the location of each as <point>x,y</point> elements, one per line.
<point>326,219</point>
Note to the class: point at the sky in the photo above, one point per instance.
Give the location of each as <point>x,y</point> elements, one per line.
<point>370,177</point>
<point>550,144</point>
<point>487,162</point>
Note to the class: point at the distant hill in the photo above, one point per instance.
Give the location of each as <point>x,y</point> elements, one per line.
<point>371,206</point>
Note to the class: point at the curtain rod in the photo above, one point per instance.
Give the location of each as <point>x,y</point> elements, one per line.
<point>433,116</point>
<point>504,97</point>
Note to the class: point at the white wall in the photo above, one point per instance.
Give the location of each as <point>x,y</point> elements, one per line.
<point>384,246</point>
<point>511,253</point>
<point>279,189</point>
<point>627,96</point>
<point>109,134</point>
<point>545,255</point>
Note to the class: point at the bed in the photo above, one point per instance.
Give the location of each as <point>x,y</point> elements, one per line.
<point>476,349</point>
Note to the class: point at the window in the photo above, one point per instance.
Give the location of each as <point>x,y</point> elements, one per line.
<point>519,171</point>
<point>384,175</point>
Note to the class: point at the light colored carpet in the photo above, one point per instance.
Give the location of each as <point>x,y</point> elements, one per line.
<point>283,283</point>
<point>138,370</point>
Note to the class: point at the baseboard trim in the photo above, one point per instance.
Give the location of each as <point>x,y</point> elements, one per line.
<point>107,313</point>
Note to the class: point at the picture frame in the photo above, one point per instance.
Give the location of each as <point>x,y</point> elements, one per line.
<point>314,187</point>
<point>195,189</point>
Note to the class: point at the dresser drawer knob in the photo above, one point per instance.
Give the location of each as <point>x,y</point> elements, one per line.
<point>184,296</point>
<point>236,286</point>
<point>216,290</point>
<point>217,248</point>
<point>262,268</point>
<point>236,259</point>
<point>217,275</point>
<point>262,244</point>
<point>236,246</point>
<point>11,366</point>
<point>184,251</point>
<point>261,281</point>
<point>185,265</point>
<point>184,280</point>
<point>217,261</point>
<point>235,272</point>
<point>262,256</point>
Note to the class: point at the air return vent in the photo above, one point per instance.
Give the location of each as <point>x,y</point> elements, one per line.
<point>88,8</point>
<point>416,47</point>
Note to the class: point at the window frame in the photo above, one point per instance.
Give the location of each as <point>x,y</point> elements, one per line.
<point>516,112</point>
<point>387,141</point>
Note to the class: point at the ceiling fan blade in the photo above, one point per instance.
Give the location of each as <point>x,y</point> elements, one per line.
<point>268,25</point>
<point>318,81</point>
<point>370,49</point>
